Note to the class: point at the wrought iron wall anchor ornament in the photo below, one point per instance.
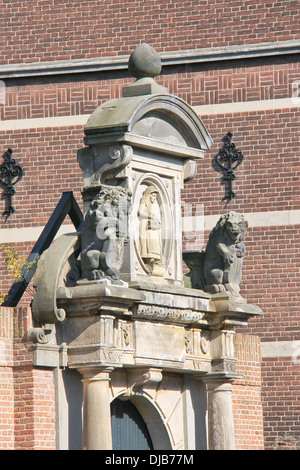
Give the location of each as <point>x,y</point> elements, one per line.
<point>10,174</point>
<point>226,162</point>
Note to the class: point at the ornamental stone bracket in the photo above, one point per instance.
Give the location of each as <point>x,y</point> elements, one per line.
<point>138,378</point>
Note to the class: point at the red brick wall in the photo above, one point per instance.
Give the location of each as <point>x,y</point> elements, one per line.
<point>35,410</point>
<point>271,278</point>
<point>27,398</point>
<point>268,178</point>
<point>247,405</point>
<point>49,159</point>
<point>6,380</point>
<point>196,84</point>
<point>62,29</point>
<point>280,397</point>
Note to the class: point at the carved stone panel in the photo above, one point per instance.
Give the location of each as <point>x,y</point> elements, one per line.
<point>159,344</point>
<point>197,349</point>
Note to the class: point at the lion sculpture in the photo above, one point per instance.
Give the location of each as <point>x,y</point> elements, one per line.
<point>219,268</point>
<point>102,236</point>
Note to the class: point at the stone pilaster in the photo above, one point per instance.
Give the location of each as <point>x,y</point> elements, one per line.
<point>96,408</point>
<point>220,413</point>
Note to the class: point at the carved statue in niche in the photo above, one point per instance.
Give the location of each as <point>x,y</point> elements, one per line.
<point>104,233</point>
<point>150,244</point>
<point>219,268</point>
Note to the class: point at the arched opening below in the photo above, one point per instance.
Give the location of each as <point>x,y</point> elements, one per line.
<point>129,430</point>
<point>152,422</point>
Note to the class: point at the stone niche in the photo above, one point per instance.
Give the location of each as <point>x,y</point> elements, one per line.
<point>110,300</point>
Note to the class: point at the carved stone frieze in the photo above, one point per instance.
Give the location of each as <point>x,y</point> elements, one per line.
<point>189,342</point>
<point>124,334</point>
<point>204,345</point>
<point>197,342</point>
<point>110,355</point>
<point>201,366</point>
<point>224,365</point>
<point>175,315</point>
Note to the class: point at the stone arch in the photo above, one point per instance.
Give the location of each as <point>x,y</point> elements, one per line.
<point>167,232</point>
<point>153,419</point>
<point>174,113</point>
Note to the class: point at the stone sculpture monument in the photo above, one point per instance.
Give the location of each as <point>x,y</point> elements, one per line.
<point>104,233</point>
<point>150,242</point>
<point>110,300</point>
<point>219,267</point>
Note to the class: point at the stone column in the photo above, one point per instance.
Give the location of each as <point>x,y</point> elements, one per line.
<point>220,414</point>
<point>96,409</point>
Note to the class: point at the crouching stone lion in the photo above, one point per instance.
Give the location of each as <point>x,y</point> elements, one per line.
<point>219,268</point>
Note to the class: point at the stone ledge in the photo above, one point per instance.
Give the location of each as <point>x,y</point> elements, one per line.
<point>189,56</point>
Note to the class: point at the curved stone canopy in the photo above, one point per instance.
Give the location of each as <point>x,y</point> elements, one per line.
<point>146,120</point>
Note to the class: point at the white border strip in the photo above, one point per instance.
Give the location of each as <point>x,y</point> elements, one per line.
<point>36,123</point>
<point>29,234</point>
<point>274,349</point>
<point>247,106</point>
<point>261,219</point>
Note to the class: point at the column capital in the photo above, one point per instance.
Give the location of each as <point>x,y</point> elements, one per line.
<point>94,373</point>
<point>219,380</point>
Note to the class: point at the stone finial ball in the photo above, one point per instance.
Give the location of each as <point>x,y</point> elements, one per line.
<point>144,62</point>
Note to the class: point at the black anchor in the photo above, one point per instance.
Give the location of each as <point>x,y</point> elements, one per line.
<point>226,162</point>
<point>10,174</point>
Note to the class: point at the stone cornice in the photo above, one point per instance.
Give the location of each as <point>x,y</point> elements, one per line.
<point>193,56</point>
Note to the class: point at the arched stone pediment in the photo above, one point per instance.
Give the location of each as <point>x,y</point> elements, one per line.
<point>161,117</point>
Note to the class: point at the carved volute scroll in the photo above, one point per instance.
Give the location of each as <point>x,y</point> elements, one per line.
<point>101,164</point>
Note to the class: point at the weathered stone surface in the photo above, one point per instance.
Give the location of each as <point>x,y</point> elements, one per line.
<point>104,232</point>
<point>112,299</point>
<point>219,268</point>
<point>144,62</point>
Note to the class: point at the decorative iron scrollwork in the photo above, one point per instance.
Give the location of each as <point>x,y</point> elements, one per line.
<point>226,162</point>
<point>10,174</point>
